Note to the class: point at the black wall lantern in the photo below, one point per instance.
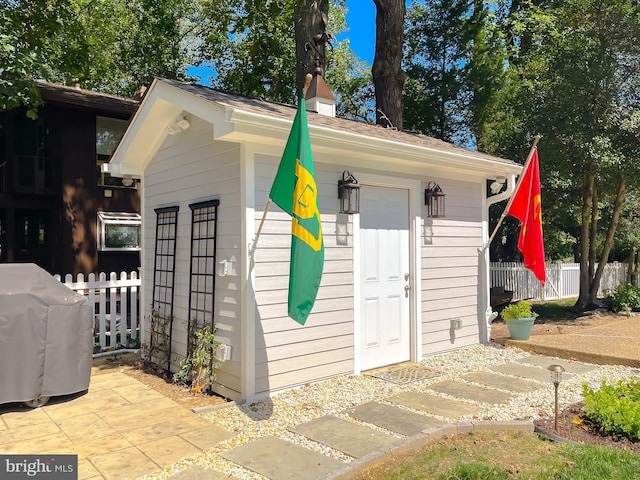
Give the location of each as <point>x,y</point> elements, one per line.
<point>434,200</point>
<point>349,193</point>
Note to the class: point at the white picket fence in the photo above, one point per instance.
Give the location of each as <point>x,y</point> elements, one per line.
<point>115,304</point>
<point>116,298</point>
<point>563,280</point>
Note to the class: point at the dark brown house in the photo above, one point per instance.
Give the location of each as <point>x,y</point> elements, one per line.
<point>56,207</point>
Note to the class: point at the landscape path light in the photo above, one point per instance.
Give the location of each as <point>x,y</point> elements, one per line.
<point>556,377</point>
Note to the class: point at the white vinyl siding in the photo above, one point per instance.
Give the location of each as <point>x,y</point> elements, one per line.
<point>287,353</point>
<point>450,276</point>
<point>191,167</point>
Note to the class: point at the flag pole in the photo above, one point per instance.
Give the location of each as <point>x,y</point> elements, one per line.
<point>536,139</point>
<point>255,239</point>
<point>307,82</point>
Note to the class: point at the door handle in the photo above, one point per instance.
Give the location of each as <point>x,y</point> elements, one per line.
<point>407,288</point>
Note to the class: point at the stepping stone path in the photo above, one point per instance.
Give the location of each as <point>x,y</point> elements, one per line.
<point>433,404</point>
<point>278,459</point>
<point>353,439</point>
<point>394,419</point>
<point>503,382</point>
<point>569,365</point>
<point>526,371</point>
<point>471,392</point>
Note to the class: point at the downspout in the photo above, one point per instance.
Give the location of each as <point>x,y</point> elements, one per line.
<point>489,314</point>
<point>506,195</point>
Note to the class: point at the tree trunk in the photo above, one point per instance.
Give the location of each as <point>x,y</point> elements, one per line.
<point>608,243</point>
<point>585,280</point>
<point>388,76</point>
<point>593,233</point>
<point>311,17</point>
<point>631,262</point>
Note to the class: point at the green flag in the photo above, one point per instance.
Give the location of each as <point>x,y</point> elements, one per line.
<point>294,190</point>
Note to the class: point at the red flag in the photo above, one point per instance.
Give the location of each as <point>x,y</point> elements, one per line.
<point>526,207</point>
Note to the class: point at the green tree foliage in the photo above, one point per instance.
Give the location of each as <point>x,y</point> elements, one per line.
<point>107,45</point>
<point>485,72</point>
<point>255,55</point>
<point>495,74</point>
<point>566,70</point>
<point>438,44</point>
<point>252,49</point>
<point>21,51</point>
<point>577,85</point>
<point>455,64</point>
<point>116,47</point>
<point>130,43</point>
<point>350,81</point>
<point>627,248</point>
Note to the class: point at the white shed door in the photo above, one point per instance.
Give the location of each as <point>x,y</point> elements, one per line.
<point>384,234</point>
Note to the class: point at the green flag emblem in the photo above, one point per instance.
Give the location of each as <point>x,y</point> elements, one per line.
<point>294,190</point>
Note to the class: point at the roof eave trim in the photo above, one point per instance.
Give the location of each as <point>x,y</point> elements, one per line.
<point>341,139</point>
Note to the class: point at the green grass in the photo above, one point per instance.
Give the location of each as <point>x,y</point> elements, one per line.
<point>596,463</point>
<point>504,456</point>
<point>557,310</point>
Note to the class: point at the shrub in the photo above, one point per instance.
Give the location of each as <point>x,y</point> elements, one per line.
<point>615,408</point>
<point>200,367</point>
<point>521,309</point>
<point>625,296</point>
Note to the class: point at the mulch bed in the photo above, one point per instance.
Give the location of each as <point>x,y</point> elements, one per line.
<point>574,426</point>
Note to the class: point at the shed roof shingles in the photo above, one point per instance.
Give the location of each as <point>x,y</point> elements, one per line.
<point>274,109</point>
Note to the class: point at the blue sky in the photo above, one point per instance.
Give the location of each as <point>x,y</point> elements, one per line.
<point>361,23</point>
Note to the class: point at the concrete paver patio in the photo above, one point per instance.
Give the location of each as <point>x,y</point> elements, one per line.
<point>120,429</point>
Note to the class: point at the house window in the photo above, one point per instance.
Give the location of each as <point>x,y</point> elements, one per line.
<point>161,327</point>
<point>30,237</point>
<point>33,170</point>
<point>109,132</point>
<point>202,283</point>
<point>118,231</point>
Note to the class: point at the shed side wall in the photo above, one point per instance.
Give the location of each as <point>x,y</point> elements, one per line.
<point>450,272</point>
<point>191,167</point>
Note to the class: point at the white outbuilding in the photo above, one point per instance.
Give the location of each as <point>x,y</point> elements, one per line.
<point>399,283</point>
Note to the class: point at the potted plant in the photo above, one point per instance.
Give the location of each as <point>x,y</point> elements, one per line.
<point>519,318</point>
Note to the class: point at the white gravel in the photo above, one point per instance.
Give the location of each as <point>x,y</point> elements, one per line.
<point>273,416</point>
